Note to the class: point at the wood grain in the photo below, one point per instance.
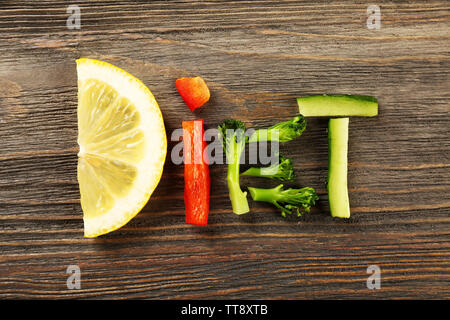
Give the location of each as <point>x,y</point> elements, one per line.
<point>256,56</point>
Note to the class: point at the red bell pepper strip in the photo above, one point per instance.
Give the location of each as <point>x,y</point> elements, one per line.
<point>194,91</point>
<point>196,173</point>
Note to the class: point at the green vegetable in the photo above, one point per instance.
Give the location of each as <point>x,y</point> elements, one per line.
<point>289,201</point>
<point>338,106</point>
<point>282,132</point>
<point>282,170</point>
<point>337,167</point>
<point>233,137</point>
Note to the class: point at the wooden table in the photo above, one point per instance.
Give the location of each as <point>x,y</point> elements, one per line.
<point>256,57</point>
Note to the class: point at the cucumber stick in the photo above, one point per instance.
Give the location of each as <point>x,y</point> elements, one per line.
<point>338,106</point>
<point>337,167</point>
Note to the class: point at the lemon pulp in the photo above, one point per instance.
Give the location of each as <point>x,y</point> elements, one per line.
<point>122,144</point>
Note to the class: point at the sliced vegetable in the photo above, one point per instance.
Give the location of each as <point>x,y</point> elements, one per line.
<point>337,167</point>
<point>196,173</point>
<point>194,91</point>
<point>281,132</point>
<point>338,106</point>
<point>289,201</point>
<point>232,135</point>
<point>282,170</point>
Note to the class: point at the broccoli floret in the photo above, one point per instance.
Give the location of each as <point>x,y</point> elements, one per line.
<point>283,170</point>
<point>289,201</point>
<point>281,132</point>
<point>233,137</point>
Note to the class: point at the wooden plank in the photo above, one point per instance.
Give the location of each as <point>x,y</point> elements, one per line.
<point>256,56</point>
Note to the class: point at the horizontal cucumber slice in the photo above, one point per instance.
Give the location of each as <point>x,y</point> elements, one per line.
<point>338,106</point>
<point>337,167</point>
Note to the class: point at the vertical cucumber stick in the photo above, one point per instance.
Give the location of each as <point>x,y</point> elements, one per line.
<point>337,167</point>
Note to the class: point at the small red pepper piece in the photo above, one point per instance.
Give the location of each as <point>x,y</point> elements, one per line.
<point>196,173</point>
<point>194,91</point>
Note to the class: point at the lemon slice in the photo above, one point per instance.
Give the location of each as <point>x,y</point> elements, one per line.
<point>122,143</point>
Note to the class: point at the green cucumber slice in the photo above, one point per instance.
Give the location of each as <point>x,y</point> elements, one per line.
<point>338,106</point>
<point>337,167</point>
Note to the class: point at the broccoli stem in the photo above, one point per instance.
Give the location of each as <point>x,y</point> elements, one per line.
<point>261,172</point>
<point>264,135</point>
<point>266,195</point>
<point>238,198</point>
<point>253,172</point>
<point>232,135</point>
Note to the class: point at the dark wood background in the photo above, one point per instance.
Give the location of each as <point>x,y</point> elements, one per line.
<point>256,56</point>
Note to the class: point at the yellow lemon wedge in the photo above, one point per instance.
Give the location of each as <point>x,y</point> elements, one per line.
<point>122,142</point>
